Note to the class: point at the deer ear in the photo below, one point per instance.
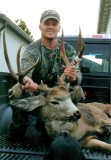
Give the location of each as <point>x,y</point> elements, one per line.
<point>29,104</point>
<point>77,94</point>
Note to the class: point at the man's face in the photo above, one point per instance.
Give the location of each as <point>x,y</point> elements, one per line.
<point>50,28</point>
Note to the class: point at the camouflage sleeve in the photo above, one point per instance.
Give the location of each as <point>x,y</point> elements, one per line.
<point>29,57</point>
<point>71,54</point>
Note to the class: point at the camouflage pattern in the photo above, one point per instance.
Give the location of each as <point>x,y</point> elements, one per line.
<point>50,62</point>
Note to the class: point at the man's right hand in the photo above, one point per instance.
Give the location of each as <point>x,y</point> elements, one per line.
<point>29,85</point>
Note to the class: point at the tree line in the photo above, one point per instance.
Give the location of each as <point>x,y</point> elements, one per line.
<point>22,24</point>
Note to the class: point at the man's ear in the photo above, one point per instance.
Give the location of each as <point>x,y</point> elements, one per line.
<point>59,28</point>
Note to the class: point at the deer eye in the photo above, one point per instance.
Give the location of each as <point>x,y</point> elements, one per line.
<point>54,102</point>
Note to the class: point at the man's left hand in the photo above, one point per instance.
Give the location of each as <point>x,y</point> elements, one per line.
<point>71,73</point>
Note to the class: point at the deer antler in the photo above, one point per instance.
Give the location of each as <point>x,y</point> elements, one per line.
<point>21,74</point>
<point>62,51</point>
<point>44,87</point>
<point>81,44</point>
<point>7,58</point>
<point>64,56</point>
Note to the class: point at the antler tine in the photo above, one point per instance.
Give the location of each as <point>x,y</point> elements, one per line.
<point>44,87</point>
<point>81,44</point>
<point>21,72</point>
<point>64,57</point>
<point>7,58</point>
<point>62,51</point>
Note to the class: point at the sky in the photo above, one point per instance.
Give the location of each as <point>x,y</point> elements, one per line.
<point>73,13</point>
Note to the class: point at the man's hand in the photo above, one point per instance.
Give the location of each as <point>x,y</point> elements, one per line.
<point>29,86</point>
<point>71,72</point>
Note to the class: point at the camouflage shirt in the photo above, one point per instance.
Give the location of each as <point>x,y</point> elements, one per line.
<point>50,63</point>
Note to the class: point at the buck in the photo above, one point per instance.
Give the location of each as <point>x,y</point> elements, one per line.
<point>86,122</point>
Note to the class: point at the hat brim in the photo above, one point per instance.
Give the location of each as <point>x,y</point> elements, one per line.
<point>50,17</point>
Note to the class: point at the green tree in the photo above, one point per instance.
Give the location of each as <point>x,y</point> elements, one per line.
<point>23,26</point>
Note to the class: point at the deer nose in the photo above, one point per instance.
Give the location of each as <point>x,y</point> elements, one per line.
<point>74,117</point>
<point>77,114</point>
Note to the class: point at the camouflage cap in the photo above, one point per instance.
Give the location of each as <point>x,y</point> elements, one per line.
<point>48,14</point>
